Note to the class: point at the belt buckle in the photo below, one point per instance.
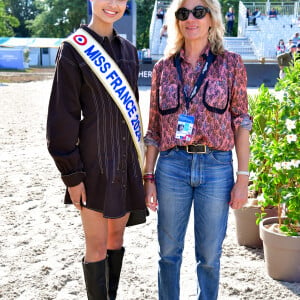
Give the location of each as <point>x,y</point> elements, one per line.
<point>204,149</point>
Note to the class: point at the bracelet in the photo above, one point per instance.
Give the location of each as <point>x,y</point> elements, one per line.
<point>149,177</point>
<point>149,173</point>
<point>242,173</point>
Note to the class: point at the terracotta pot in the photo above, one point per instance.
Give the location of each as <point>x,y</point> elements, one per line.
<point>282,253</point>
<point>246,229</point>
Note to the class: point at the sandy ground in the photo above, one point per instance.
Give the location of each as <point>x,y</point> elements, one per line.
<point>41,241</point>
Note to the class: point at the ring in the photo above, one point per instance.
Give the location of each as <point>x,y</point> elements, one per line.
<point>76,202</point>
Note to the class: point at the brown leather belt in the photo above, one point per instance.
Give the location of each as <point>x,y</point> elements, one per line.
<point>198,148</point>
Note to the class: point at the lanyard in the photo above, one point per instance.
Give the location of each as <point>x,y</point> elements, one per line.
<point>200,79</point>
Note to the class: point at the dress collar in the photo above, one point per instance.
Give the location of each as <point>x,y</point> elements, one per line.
<point>100,38</point>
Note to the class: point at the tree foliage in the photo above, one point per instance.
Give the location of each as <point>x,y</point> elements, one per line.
<point>8,22</point>
<point>144,14</point>
<point>58,18</point>
<point>23,10</point>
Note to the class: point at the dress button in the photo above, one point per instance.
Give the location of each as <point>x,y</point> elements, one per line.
<point>123,121</point>
<point>123,138</point>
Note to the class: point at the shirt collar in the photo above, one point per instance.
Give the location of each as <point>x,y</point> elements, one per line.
<point>203,55</point>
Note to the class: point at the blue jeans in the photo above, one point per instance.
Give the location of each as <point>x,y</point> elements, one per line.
<point>204,180</point>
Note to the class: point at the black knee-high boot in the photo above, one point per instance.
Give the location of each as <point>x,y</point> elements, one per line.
<point>115,259</point>
<point>95,279</point>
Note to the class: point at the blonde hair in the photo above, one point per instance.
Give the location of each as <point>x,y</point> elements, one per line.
<point>216,32</point>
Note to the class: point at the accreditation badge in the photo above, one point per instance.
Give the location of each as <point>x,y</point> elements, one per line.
<point>185,127</point>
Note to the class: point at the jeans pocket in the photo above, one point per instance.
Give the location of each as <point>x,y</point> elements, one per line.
<point>167,153</point>
<point>222,157</point>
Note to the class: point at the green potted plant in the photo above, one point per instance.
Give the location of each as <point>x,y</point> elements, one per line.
<point>26,54</point>
<point>275,163</point>
<point>246,218</point>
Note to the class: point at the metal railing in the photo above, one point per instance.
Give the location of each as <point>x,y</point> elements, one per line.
<point>282,8</point>
<point>164,4</point>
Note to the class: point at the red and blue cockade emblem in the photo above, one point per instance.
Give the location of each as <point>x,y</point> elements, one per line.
<point>80,39</point>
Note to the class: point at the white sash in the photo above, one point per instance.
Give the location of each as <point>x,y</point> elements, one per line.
<point>115,83</point>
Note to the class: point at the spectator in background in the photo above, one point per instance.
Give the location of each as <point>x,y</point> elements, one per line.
<point>254,16</point>
<point>248,14</point>
<point>164,32</point>
<point>230,21</point>
<point>161,14</point>
<point>285,60</point>
<point>272,14</point>
<point>289,45</point>
<point>295,38</point>
<point>280,48</point>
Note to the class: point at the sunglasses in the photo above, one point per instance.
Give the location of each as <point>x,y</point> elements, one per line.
<point>199,12</point>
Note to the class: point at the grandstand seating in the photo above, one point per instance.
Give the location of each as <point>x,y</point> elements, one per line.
<point>240,45</point>
<point>253,43</point>
<point>267,33</point>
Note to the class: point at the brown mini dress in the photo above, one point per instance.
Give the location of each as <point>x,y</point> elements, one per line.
<point>87,136</point>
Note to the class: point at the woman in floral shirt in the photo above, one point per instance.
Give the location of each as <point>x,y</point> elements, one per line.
<point>198,114</point>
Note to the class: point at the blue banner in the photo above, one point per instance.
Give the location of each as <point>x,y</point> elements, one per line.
<point>11,59</point>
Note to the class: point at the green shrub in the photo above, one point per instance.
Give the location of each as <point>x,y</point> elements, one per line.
<point>275,155</point>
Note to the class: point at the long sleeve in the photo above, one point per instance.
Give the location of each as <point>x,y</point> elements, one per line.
<point>64,115</point>
<point>239,99</point>
<point>153,133</point>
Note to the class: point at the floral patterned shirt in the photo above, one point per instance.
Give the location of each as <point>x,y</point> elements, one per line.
<point>224,88</point>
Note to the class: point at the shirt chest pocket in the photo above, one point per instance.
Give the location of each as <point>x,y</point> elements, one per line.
<point>216,96</point>
<point>168,98</point>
